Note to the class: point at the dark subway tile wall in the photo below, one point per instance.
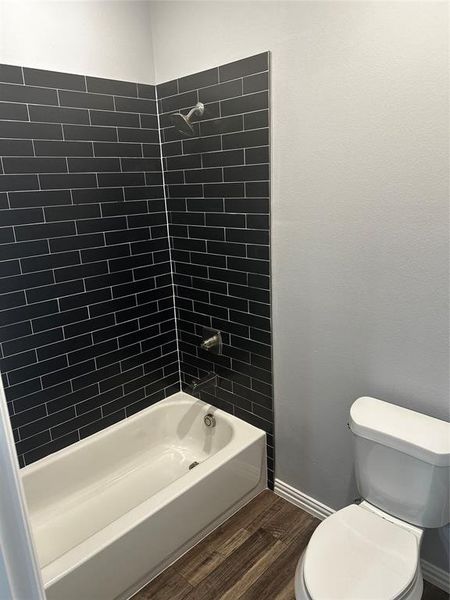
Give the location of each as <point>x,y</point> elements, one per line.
<point>217,186</point>
<point>87,329</point>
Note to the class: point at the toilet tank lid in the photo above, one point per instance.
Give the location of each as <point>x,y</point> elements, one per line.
<point>405,430</point>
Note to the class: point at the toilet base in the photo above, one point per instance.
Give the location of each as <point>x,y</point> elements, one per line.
<point>301,593</point>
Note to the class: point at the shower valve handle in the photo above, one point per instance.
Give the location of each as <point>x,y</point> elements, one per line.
<point>212,341</point>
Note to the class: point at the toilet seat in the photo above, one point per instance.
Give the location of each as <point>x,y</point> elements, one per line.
<point>356,554</point>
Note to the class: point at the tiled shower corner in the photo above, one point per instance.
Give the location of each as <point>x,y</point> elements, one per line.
<point>218,199</point>
<point>89,275</point>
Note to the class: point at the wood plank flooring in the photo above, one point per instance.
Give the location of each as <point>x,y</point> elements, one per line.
<point>252,556</point>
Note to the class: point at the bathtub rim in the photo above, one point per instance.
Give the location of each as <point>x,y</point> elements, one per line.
<point>201,535</point>
<point>242,438</point>
<point>127,421</point>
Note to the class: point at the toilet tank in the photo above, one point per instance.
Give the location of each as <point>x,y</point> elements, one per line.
<point>402,461</point>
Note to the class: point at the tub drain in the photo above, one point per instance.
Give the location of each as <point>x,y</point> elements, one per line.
<point>194,464</point>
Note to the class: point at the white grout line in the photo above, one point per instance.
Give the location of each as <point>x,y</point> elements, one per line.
<point>167,223</point>
<point>211,85</point>
<point>172,274</point>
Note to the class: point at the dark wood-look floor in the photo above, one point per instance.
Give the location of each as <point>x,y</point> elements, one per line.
<point>252,556</point>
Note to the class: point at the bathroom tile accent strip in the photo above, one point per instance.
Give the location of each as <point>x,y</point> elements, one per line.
<point>217,186</point>
<point>87,325</point>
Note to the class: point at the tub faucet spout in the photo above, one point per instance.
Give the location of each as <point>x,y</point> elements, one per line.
<point>198,385</point>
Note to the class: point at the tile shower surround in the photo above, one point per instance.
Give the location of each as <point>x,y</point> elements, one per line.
<point>217,186</point>
<point>87,325</point>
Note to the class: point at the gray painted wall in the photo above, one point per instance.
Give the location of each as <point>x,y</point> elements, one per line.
<point>103,39</point>
<point>359,211</point>
<point>360,236</point>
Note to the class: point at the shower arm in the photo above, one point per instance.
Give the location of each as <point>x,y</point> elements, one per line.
<point>198,109</point>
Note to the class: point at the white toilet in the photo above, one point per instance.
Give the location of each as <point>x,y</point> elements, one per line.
<point>371,551</point>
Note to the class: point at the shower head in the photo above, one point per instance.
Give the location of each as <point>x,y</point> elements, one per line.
<point>182,123</point>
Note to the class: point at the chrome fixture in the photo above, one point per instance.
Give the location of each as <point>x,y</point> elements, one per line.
<point>210,420</point>
<point>182,123</point>
<point>197,385</point>
<point>212,341</point>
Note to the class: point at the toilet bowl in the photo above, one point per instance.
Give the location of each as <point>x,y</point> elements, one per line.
<point>359,553</point>
<point>371,551</point>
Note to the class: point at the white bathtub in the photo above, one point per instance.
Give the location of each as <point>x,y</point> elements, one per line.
<point>112,511</point>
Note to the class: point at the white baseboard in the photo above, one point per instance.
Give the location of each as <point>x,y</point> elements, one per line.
<point>310,505</point>
<point>430,572</point>
<point>436,576</point>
